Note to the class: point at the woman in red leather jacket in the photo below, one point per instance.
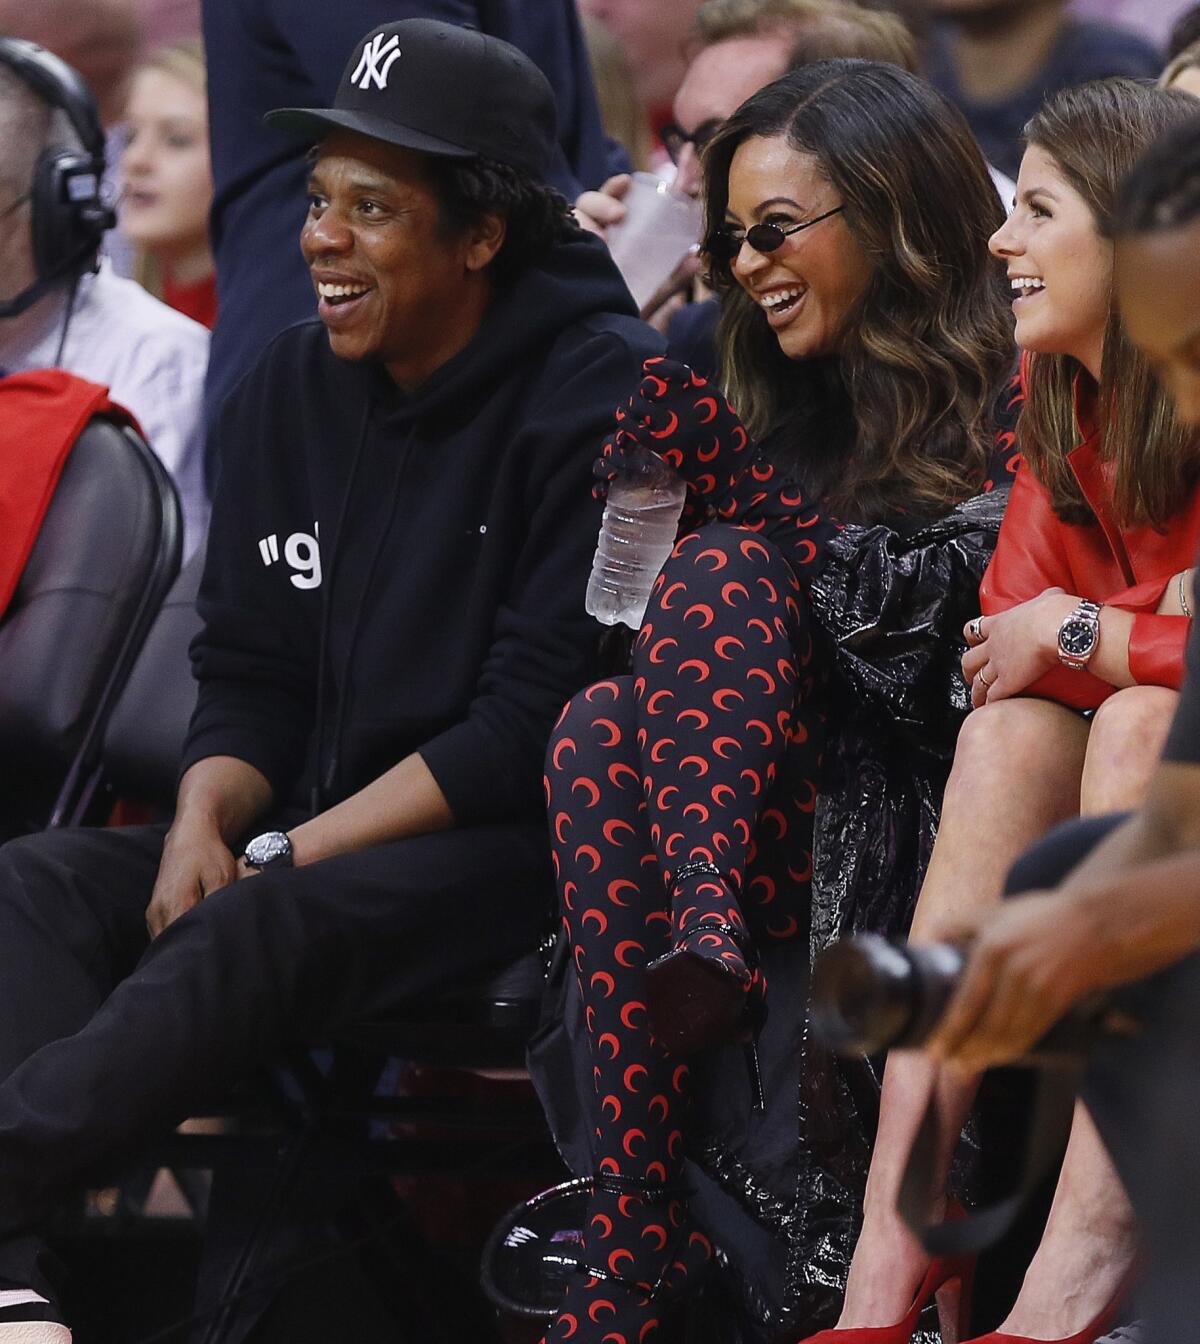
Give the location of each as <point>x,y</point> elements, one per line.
<point>1086,607</point>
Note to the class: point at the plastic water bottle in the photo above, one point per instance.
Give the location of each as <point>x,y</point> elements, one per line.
<point>637,534</point>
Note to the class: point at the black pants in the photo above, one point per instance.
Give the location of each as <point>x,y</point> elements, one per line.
<point>106,1037</point>
<point>1144,1095</point>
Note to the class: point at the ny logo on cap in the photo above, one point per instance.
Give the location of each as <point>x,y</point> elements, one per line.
<point>369,70</point>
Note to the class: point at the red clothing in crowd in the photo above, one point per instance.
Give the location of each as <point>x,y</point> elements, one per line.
<point>197,300</point>
<point>1115,566</point>
<point>42,413</point>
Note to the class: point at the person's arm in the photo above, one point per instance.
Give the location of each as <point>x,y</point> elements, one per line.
<point>687,420</point>
<point>219,799</point>
<point>255,657</point>
<point>1131,908</point>
<point>1018,648</point>
<point>403,802</point>
<point>599,210</point>
<point>489,765</point>
<point>1030,561</point>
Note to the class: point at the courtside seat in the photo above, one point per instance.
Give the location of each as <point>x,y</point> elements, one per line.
<point>108,550</point>
<point>143,738</point>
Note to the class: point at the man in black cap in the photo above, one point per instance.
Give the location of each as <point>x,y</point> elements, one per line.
<point>269,53</point>
<point>392,619</point>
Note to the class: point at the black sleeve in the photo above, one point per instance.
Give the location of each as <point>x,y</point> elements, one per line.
<point>256,669</point>
<point>490,765</point>
<point>1183,741</point>
<point>895,606</point>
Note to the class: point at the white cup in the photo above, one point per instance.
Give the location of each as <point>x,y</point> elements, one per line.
<point>658,230</point>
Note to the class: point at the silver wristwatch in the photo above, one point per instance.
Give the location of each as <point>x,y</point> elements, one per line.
<point>1078,635</point>
<point>272,849</point>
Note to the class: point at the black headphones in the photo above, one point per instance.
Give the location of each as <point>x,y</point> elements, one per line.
<point>70,215</point>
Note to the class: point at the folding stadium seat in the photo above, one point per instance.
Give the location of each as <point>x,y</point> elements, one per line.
<point>107,552</point>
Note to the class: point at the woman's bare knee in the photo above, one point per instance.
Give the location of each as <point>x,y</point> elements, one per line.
<point>1124,746</point>
<point>1018,739</point>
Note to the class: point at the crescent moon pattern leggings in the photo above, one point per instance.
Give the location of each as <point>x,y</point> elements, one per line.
<point>709,751</point>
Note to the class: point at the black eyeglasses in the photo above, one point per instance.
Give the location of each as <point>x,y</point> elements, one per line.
<point>727,243</point>
<point>675,138</point>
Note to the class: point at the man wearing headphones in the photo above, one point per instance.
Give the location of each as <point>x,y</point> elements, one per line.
<point>60,306</point>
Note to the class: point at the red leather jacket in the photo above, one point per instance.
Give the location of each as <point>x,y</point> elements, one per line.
<point>1119,567</point>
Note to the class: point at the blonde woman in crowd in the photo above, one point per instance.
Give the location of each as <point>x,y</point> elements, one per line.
<point>167,180</point>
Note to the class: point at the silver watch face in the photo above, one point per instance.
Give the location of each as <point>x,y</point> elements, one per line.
<point>269,848</point>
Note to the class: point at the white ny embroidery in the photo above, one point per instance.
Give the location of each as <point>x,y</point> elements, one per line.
<point>369,70</point>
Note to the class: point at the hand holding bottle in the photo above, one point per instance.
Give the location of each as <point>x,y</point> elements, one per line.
<point>682,418</point>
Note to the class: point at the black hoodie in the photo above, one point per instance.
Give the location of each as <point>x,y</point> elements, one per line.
<point>433,546</point>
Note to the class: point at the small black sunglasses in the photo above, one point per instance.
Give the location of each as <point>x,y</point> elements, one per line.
<point>675,138</point>
<point>727,243</point>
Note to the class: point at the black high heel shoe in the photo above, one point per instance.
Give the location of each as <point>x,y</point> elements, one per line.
<point>708,989</point>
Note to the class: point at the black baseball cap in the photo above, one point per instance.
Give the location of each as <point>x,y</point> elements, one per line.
<point>431,86</point>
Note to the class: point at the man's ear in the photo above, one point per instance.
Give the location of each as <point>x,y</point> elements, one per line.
<point>484,241</point>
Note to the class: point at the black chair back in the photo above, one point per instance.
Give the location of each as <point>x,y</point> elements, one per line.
<point>143,741</point>
<point>105,556</point>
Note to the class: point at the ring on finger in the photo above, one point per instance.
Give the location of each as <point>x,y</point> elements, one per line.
<point>984,679</point>
<point>976,628</point>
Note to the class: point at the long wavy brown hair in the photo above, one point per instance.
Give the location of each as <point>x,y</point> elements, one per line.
<point>898,419</point>
<point>1095,133</point>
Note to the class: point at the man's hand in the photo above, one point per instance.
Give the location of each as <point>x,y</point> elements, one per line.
<point>195,862</point>
<point>599,211</point>
<point>1122,916</point>
<point>1014,647</point>
<point>1028,964</point>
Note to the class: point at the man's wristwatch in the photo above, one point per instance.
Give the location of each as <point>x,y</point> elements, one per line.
<point>1078,635</point>
<point>272,849</point>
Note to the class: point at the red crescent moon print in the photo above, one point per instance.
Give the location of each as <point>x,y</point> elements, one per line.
<point>709,751</point>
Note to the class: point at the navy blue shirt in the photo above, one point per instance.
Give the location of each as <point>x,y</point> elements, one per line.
<point>264,54</point>
<point>1084,50</point>
<point>692,337</point>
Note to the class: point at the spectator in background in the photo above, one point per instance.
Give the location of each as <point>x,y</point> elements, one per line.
<point>653,34</point>
<point>281,53</point>
<point>1000,59</point>
<point>167,181</point>
<point>165,23</point>
<point>100,39</point>
<point>1183,72</point>
<point>745,44</point>
<point>1152,19</point>
<point>621,114</point>
<point>61,307</point>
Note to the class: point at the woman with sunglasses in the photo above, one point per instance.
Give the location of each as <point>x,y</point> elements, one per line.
<point>788,667</point>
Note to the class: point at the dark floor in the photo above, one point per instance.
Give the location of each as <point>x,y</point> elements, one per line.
<point>396,1260</point>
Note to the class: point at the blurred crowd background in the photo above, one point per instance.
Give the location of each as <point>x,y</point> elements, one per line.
<point>144,61</point>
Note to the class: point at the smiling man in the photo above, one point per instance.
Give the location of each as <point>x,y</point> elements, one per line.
<point>393,618</point>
